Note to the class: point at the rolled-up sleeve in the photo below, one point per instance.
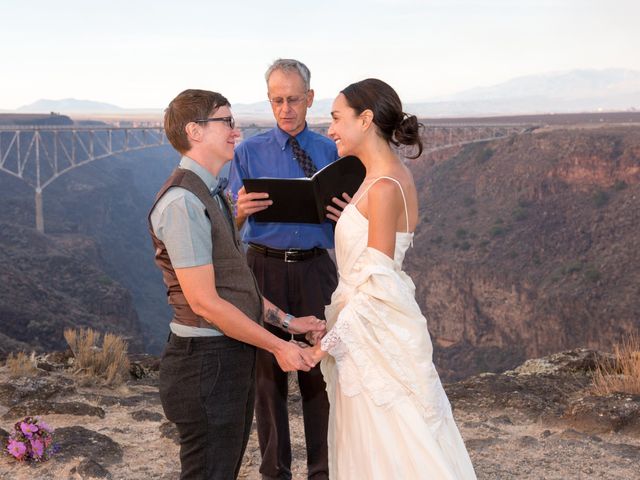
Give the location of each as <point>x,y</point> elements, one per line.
<point>182,225</point>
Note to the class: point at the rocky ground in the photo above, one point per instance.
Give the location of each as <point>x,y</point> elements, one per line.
<point>539,421</point>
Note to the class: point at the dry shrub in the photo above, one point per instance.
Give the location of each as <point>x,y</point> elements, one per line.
<point>108,362</point>
<point>21,364</point>
<point>622,372</point>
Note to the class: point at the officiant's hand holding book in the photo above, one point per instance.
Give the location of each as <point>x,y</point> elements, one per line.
<point>249,203</point>
<point>306,200</point>
<point>334,212</point>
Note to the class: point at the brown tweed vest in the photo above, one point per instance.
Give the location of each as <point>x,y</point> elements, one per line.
<point>234,280</point>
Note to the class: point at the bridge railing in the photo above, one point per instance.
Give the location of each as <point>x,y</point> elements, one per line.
<point>39,155</point>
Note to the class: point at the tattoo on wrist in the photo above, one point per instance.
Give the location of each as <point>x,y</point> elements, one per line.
<point>272,317</point>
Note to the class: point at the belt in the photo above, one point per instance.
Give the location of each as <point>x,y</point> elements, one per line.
<point>221,342</point>
<point>289,255</point>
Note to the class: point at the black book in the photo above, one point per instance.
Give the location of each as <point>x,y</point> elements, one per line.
<point>304,200</point>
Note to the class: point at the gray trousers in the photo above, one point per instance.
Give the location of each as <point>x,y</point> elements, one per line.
<point>207,388</point>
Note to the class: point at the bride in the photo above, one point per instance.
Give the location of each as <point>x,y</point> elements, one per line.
<point>390,417</point>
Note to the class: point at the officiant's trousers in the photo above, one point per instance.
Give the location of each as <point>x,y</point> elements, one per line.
<point>300,288</point>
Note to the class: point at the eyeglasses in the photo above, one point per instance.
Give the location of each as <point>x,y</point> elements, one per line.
<point>230,121</point>
<point>291,101</point>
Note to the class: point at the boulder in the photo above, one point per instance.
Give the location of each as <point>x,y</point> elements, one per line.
<point>78,441</point>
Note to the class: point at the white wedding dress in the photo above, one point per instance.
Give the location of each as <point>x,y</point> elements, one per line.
<point>390,418</point>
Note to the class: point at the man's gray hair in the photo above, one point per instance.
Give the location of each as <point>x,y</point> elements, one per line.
<point>290,65</point>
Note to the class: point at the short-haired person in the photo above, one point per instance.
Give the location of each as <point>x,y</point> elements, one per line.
<point>290,262</point>
<point>207,367</point>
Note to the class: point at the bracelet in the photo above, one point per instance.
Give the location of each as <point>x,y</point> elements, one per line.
<point>287,319</point>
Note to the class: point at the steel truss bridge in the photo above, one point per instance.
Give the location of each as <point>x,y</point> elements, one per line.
<point>39,155</point>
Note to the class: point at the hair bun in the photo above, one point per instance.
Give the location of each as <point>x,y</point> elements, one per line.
<point>408,132</point>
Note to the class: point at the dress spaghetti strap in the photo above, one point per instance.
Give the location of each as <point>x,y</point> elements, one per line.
<point>404,200</point>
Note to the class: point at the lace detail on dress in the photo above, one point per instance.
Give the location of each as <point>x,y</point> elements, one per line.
<point>330,341</point>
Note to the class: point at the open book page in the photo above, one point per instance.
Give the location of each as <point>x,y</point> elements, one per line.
<point>342,176</point>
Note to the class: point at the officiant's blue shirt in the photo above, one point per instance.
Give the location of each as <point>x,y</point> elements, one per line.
<point>270,155</point>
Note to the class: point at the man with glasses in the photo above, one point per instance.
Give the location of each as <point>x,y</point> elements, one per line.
<point>207,380</point>
<point>290,262</point>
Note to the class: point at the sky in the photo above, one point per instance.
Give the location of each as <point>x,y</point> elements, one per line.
<point>141,53</point>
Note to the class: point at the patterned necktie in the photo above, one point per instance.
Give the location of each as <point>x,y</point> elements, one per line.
<point>302,157</point>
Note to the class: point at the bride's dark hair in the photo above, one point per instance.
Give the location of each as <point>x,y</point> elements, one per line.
<point>394,125</point>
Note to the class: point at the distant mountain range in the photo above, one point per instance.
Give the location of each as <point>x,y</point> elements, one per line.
<point>572,91</point>
<point>73,105</point>
<point>69,105</point>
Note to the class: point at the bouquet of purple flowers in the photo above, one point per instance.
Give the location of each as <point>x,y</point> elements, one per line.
<point>32,440</point>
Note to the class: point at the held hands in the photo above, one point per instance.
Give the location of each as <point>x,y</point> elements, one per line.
<point>291,357</point>
<point>298,355</point>
<point>250,203</point>
<point>334,213</point>
<point>312,355</point>
<point>307,325</point>
<point>315,353</point>
<point>314,337</point>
